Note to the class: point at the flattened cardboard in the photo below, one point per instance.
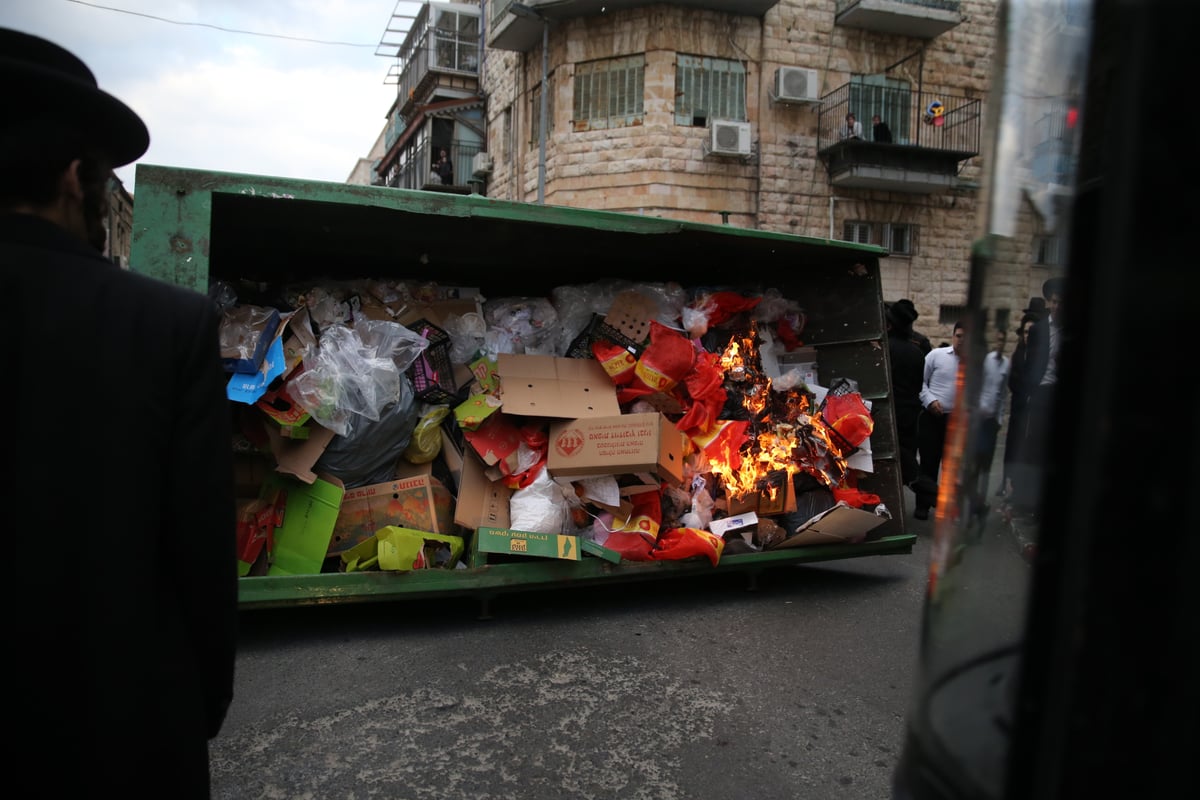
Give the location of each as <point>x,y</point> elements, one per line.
<point>621,444</point>
<point>838,525</point>
<point>563,388</point>
<point>403,503</point>
<point>297,456</point>
<point>526,543</point>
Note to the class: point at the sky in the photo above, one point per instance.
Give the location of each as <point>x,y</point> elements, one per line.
<point>234,102</point>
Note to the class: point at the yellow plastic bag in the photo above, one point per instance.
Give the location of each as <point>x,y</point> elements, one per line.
<point>426,440</point>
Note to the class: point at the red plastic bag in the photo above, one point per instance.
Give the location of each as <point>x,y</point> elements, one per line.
<point>677,544</point>
<point>848,415</point>
<point>633,538</point>
<point>667,361</point>
<point>631,546</point>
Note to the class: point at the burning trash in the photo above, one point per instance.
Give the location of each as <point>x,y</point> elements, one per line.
<point>663,425</point>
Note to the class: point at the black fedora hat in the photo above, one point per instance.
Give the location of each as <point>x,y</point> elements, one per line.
<point>41,79</point>
<point>1036,306</point>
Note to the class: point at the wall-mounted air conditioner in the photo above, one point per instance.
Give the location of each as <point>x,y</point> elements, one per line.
<point>482,164</point>
<point>729,137</point>
<point>796,85</point>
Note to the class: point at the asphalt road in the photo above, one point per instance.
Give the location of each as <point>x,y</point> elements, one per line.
<point>689,688</point>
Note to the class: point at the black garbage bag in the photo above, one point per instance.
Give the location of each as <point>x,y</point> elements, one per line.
<point>368,453</point>
<point>812,498</point>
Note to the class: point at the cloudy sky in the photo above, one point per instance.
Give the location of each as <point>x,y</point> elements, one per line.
<point>263,101</point>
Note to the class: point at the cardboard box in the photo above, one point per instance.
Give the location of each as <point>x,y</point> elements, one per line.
<point>563,388</point>
<point>646,443</point>
<point>246,333</point>
<point>738,525</point>
<point>526,543</point>
<point>404,503</point>
<point>481,502</point>
<point>302,533</point>
<point>838,525</point>
<point>773,496</point>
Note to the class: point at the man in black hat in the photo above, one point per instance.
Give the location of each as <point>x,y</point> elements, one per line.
<point>907,373</point>
<point>918,338</point>
<point>1040,381</point>
<point>123,587</point>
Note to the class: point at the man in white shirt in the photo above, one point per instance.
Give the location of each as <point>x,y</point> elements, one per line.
<point>938,389</point>
<point>990,418</point>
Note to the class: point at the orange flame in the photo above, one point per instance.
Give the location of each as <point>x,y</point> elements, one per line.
<point>785,437</point>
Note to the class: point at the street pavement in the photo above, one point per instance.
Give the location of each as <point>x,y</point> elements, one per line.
<point>684,688</point>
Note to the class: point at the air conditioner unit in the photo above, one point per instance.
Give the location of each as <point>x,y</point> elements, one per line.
<point>482,163</point>
<point>729,137</point>
<point>796,85</point>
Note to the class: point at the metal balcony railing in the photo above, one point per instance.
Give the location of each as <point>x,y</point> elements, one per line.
<point>414,169</point>
<point>929,120</point>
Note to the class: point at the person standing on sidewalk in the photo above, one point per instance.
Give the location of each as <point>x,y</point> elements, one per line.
<point>1041,380</point>
<point>938,387</point>
<point>123,585</point>
<point>990,419</point>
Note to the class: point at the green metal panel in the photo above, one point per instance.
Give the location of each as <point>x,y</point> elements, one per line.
<point>193,227</point>
<point>490,580</point>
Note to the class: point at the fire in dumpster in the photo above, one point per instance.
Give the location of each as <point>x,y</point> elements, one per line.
<point>784,434</point>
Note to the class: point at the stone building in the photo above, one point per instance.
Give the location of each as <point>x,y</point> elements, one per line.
<point>118,222</point>
<point>723,111</point>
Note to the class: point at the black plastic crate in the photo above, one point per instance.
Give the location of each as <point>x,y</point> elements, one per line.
<point>599,330</point>
<point>432,374</point>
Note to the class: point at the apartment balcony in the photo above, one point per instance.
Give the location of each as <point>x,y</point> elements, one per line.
<point>414,169</point>
<point>922,19</point>
<point>508,31</point>
<point>932,135</point>
<point>439,54</point>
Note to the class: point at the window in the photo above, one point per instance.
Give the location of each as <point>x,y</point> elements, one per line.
<point>708,88</point>
<point>898,237</point>
<point>456,40</point>
<point>506,135</point>
<point>609,93</point>
<point>535,110</point>
<point>949,315</point>
<point>859,232</point>
<point>1046,251</point>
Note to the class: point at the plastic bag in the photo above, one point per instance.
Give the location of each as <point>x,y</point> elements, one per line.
<point>426,440</point>
<point>531,323</point>
<point>356,372</point>
<point>678,544</point>
<point>849,416</point>
<point>368,451</point>
<point>539,507</point>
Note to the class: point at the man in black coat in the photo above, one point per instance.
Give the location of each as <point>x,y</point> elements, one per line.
<point>907,373</point>
<point>122,573</point>
<point>1040,381</point>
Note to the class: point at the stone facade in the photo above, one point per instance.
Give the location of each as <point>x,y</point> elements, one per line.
<point>658,167</point>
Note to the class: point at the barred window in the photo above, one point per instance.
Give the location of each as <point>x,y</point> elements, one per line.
<point>898,237</point>
<point>1046,251</point>
<point>858,232</point>
<point>708,88</point>
<point>609,93</point>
